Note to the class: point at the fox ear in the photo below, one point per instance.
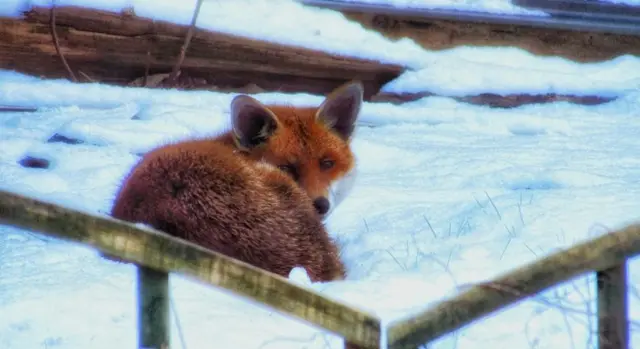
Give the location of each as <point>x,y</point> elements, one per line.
<point>340,109</point>
<point>252,122</point>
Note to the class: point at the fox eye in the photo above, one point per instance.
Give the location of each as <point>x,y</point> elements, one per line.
<point>326,164</point>
<point>289,169</point>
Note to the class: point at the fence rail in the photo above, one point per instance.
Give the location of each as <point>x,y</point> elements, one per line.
<point>156,250</point>
<point>606,255</point>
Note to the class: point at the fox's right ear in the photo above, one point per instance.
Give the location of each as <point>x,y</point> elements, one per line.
<point>341,107</point>
<point>252,122</point>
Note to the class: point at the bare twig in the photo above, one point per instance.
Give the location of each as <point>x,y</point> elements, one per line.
<point>185,45</point>
<point>520,210</point>
<point>494,205</point>
<point>147,63</point>
<point>430,226</point>
<point>505,248</point>
<point>86,76</point>
<point>366,225</point>
<point>56,43</point>
<point>530,249</point>
<point>178,325</point>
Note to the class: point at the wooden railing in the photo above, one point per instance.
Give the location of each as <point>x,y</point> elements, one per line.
<point>154,250</point>
<point>607,255</point>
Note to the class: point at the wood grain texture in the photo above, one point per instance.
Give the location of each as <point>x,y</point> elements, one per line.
<point>159,251</point>
<point>116,48</point>
<point>602,253</point>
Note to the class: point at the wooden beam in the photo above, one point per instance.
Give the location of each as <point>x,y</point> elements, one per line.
<point>610,250</point>
<point>613,307</point>
<point>116,48</point>
<point>162,252</point>
<point>495,100</point>
<point>578,39</point>
<point>589,9</point>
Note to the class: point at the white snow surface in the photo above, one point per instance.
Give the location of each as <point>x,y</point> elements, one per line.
<point>447,195</point>
<point>488,6</point>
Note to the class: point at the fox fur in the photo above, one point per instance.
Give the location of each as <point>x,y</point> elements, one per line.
<point>253,193</point>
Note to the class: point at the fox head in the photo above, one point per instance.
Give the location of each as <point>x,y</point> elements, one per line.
<point>312,145</point>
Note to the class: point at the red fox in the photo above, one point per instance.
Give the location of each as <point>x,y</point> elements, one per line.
<point>256,193</point>
<point>312,145</point>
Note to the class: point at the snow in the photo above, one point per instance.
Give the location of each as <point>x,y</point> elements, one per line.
<point>469,192</point>
<point>452,72</point>
<point>447,194</point>
<point>305,25</point>
<point>487,6</point>
<point>473,70</point>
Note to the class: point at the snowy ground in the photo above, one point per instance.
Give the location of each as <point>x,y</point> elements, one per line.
<point>448,194</point>
<point>464,194</point>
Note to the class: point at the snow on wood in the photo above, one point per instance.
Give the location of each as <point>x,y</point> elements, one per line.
<point>581,40</point>
<point>119,48</point>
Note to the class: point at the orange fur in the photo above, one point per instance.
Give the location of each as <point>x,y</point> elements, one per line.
<point>303,141</point>
<point>227,193</point>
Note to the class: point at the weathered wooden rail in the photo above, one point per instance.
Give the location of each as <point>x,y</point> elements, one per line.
<point>606,255</point>
<point>154,250</point>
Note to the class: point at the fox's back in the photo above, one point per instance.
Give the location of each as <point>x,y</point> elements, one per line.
<point>205,192</point>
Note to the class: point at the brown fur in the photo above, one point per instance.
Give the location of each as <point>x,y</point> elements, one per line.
<point>202,192</point>
<point>301,140</point>
<point>225,193</point>
<point>292,146</point>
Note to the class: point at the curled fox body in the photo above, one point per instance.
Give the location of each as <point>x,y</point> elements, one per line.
<point>257,193</point>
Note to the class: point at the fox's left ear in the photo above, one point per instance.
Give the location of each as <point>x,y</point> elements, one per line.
<point>252,122</point>
<point>341,108</point>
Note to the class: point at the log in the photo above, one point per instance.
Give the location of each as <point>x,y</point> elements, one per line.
<point>496,100</point>
<point>116,48</point>
<point>577,39</point>
<point>437,30</point>
<point>121,48</point>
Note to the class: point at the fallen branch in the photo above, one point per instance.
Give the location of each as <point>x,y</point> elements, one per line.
<point>187,40</point>
<point>56,42</point>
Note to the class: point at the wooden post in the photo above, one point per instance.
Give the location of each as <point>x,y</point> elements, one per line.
<point>613,328</point>
<point>153,309</point>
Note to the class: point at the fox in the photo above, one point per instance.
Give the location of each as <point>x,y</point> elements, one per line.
<point>257,193</point>
<point>312,145</point>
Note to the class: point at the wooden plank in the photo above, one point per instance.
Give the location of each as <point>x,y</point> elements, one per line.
<point>613,309</point>
<point>116,48</point>
<point>581,40</point>
<point>17,109</point>
<point>607,251</point>
<point>496,100</point>
<point>154,330</point>
<point>598,10</point>
<point>154,249</point>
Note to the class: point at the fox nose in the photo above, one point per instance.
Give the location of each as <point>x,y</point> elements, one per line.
<point>322,205</point>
